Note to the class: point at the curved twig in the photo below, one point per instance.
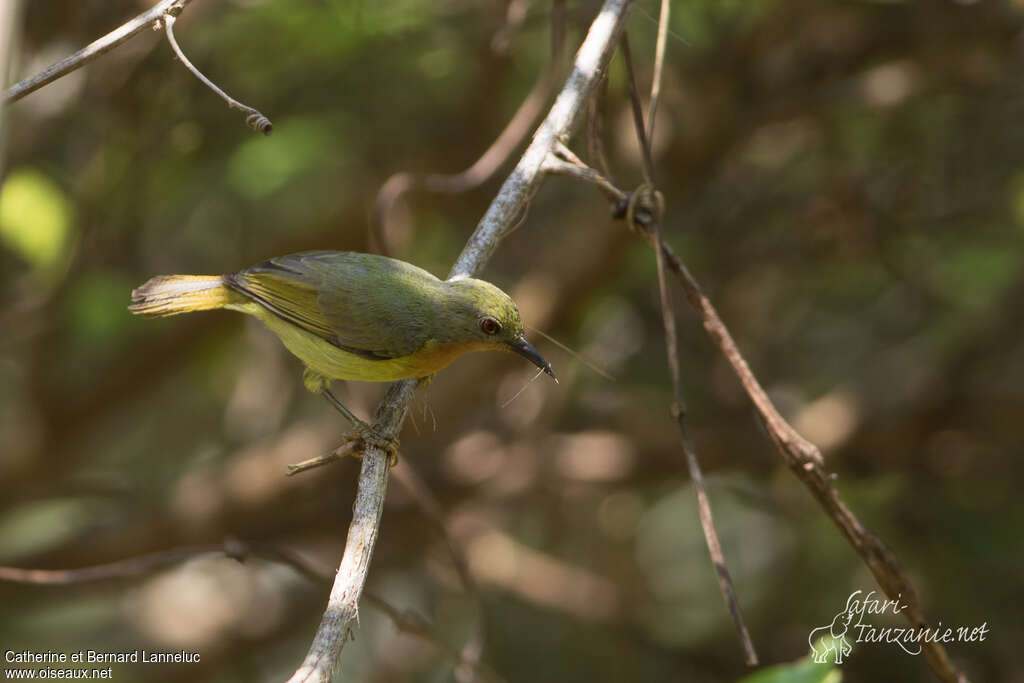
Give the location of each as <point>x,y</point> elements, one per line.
<point>254,119</point>
<point>93,50</point>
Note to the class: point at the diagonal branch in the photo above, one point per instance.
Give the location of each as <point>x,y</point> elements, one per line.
<point>805,460</point>
<point>799,454</point>
<point>93,50</point>
<point>512,199</point>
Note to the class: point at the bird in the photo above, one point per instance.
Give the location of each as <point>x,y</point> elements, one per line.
<point>354,316</point>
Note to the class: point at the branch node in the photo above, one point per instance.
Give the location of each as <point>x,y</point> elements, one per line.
<point>644,209</point>
<point>561,160</point>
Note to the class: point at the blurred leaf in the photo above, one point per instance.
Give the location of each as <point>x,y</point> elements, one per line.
<point>35,218</point>
<point>974,274</point>
<point>36,526</point>
<point>74,612</point>
<point>801,671</point>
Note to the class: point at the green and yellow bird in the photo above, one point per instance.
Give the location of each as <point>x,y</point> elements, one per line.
<point>348,315</point>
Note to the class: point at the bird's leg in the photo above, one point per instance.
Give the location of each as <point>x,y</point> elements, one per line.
<point>363,431</point>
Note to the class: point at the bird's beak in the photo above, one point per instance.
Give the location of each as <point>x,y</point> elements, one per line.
<point>526,350</point>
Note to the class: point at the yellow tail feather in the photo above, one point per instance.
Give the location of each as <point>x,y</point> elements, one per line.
<point>166,295</point>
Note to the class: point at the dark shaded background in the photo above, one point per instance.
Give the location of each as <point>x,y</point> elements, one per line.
<point>845,178</point>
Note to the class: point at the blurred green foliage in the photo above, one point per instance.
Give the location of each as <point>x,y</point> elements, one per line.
<point>846,179</point>
<point>802,671</point>
<point>35,219</point>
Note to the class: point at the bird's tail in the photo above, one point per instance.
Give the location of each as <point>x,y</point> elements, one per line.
<point>166,295</point>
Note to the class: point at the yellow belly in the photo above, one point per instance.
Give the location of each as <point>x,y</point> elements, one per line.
<point>329,362</point>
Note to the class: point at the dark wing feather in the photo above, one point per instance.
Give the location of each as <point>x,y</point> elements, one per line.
<point>369,305</point>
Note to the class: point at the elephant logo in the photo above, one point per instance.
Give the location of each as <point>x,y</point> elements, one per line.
<point>832,638</point>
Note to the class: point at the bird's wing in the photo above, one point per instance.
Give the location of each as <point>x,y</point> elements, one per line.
<point>361,303</point>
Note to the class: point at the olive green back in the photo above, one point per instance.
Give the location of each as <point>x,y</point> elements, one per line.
<point>371,305</point>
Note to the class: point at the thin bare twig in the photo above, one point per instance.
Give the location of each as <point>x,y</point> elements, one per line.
<point>395,187</point>
<point>707,521</point>
<point>236,549</point>
<point>638,115</point>
<point>595,129</point>
<point>163,13</point>
<point>93,50</point>
<point>254,119</point>
<point>648,196</point>
<point>564,162</point>
<point>10,24</point>
<point>120,569</point>
<point>805,460</point>
<point>659,63</point>
<point>338,453</point>
<point>799,454</point>
<point>342,608</point>
<point>131,567</point>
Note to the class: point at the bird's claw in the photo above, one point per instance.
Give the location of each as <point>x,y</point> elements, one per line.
<point>369,436</point>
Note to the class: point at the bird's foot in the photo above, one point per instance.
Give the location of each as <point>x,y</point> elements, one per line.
<point>368,435</point>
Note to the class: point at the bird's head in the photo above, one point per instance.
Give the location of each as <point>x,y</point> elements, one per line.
<point>482,314</point>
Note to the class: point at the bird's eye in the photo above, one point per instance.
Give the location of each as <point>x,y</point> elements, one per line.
<point>490,325</point>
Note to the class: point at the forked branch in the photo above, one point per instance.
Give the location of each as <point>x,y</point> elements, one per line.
<point>163,14</point>
<point>94,50</point>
